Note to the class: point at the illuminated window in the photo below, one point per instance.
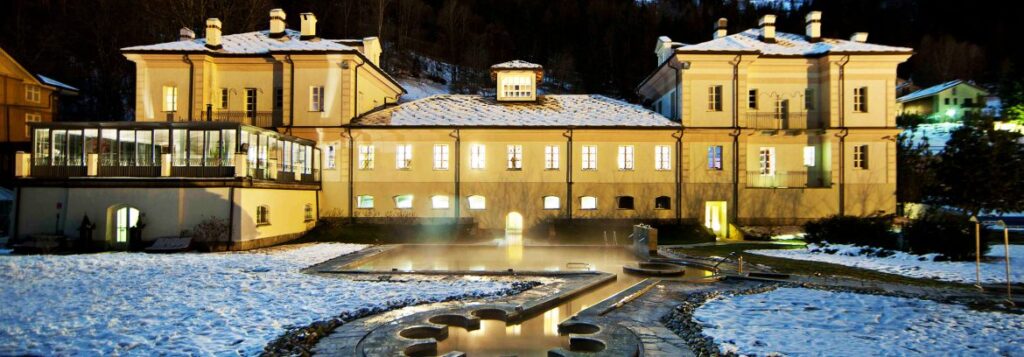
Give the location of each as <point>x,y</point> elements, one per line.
<point>551,157</point>
<point>715,157</point>
<point>860,99</point>
<point>752,99</point>
<point>364,201</point>
<point>403,157</point>
<point>552,202</point>
<point>624,202</point>
<point>860,157</point>
<point>663,202</point>
<point>516,87</point>
<point>662,158</point>
<point>440,157</point>
<point>439,202</point>
<point>477,156</point>
<point>33,93</point>
<point>766,161</point>
<point>715,98</point>
<point>588,202</point>
<point>589,157</point>
<point>626,157</point>
<point>329,156</point>
<point>316,99</point>
<point>366,157</point>
<point>477,202</point>
<point>308,212</point>
<point>403,201</point>
<point>809,156</point>
<point>170,99</point>
<point>262,215</point>
<point>125,218</point>
<point>515,157</point>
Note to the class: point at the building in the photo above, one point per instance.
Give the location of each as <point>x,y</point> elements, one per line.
<point>946,101</point>
<point>508,160</point>
<point>779,127</point>
<point>24,98</point>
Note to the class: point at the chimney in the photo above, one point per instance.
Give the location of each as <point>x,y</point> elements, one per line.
<point>813,21</point>
<point>308,25</point>
<point>767,24</point>
<point>663,48</point>
<point>186,34</point>
<point>721,28</point>
<point>372,50</point>
<point>277,17</point>
<point>213,33</point>
<point>859,37</point>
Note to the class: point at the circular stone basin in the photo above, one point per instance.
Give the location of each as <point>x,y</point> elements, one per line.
<point>654,269</point>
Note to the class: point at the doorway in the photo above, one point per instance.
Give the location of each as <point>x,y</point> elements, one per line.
<point>716,218</point>
<point>514,223</point>
<point>122,219</point>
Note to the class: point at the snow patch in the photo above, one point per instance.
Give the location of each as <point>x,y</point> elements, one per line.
<point>420,88</point>
<point>797,321</point>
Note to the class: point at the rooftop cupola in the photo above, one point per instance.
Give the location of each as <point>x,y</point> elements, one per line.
<point>813,25</point>
<point>186,34</point>
<point>277,17</point>
<point>213,33</point>
<point>861,37</point>
<point>721,28</point>
<point>767,24</point>
<point>308,25</point>
<point>517,80</point>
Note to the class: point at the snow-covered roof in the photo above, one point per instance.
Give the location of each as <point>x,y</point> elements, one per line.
<point>786,44</point>
<point>257,42</point>
<point>53,82</point>
<point>517,64</point>
<point>933,90</point>
<point>549,110</point>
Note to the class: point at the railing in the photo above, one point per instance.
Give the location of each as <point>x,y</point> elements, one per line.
<point>263,119</point>
<point>128,171</point>
<point>789,179</point>
<point>778,121</point>
<point>48,171</point>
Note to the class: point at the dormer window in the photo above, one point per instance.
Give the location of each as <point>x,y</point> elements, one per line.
<point>516,81</point>
<point>516,87</point>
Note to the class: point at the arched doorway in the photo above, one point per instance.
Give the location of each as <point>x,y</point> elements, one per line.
<point>514,222</point>
<point>122,218</point>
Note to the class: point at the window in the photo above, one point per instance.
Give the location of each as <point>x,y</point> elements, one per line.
<point>766,161</point>
<point>439,202</point>
<point>126,218</point>
<point>552,202</point>
<point>860,157</point>
<point>781,108</point>
<point>968,102</point>
<point>860,99</point>
<point>588,203</point>
<point>752,99</point>
<point>307,212</point>
<point>403,201</point>
<point>662,158</point>
<point>516,87</point>
<point>250,102</point>
<point>262,215</point>
<point>33,93</point>
<point>440,157</point>
<point>626,157</point>
<point>624,202</point>
<point>551,157</point>
<point>808,99</point>
<point>366,157</point>
<point>329,156</point>
<point>715,157</point>
<point>316,99</point>
<point>809,157</point>
<point>589,157</point>
<point>954,90</point>
<point>715,98</point>
<point>955,100</point>
<point>403,157</point>
<point>364,201</point>
<point>663,202</point>
<point>278,98</point>
<point>31,118</point>
<point>515,157</point>
<point>41,152</point>
<point>946,101</point>
<point>477,202</point>
<point>223,98</point>
<point>477,156</point>
<point>170,99</point>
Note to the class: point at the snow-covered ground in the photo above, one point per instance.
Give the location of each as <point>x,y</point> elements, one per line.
<point>184,304</point>
<point>993,269</point>
<point>419,88</point>
<point>934,135</point>
<point>797,321</point>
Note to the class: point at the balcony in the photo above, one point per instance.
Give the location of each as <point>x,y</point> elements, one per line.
<point>782,121</point>
<point>790,179</point>
<point>263,119</point>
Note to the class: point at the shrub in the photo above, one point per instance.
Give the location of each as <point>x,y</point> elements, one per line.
<point>948,234</point>
<point>861,231</point>
<point>909,120</point>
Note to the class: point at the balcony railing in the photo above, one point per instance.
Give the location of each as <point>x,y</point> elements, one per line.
<point>779,121</point>
<point>790,179</point>
<point>63,172</point>
<point>263,119</point>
